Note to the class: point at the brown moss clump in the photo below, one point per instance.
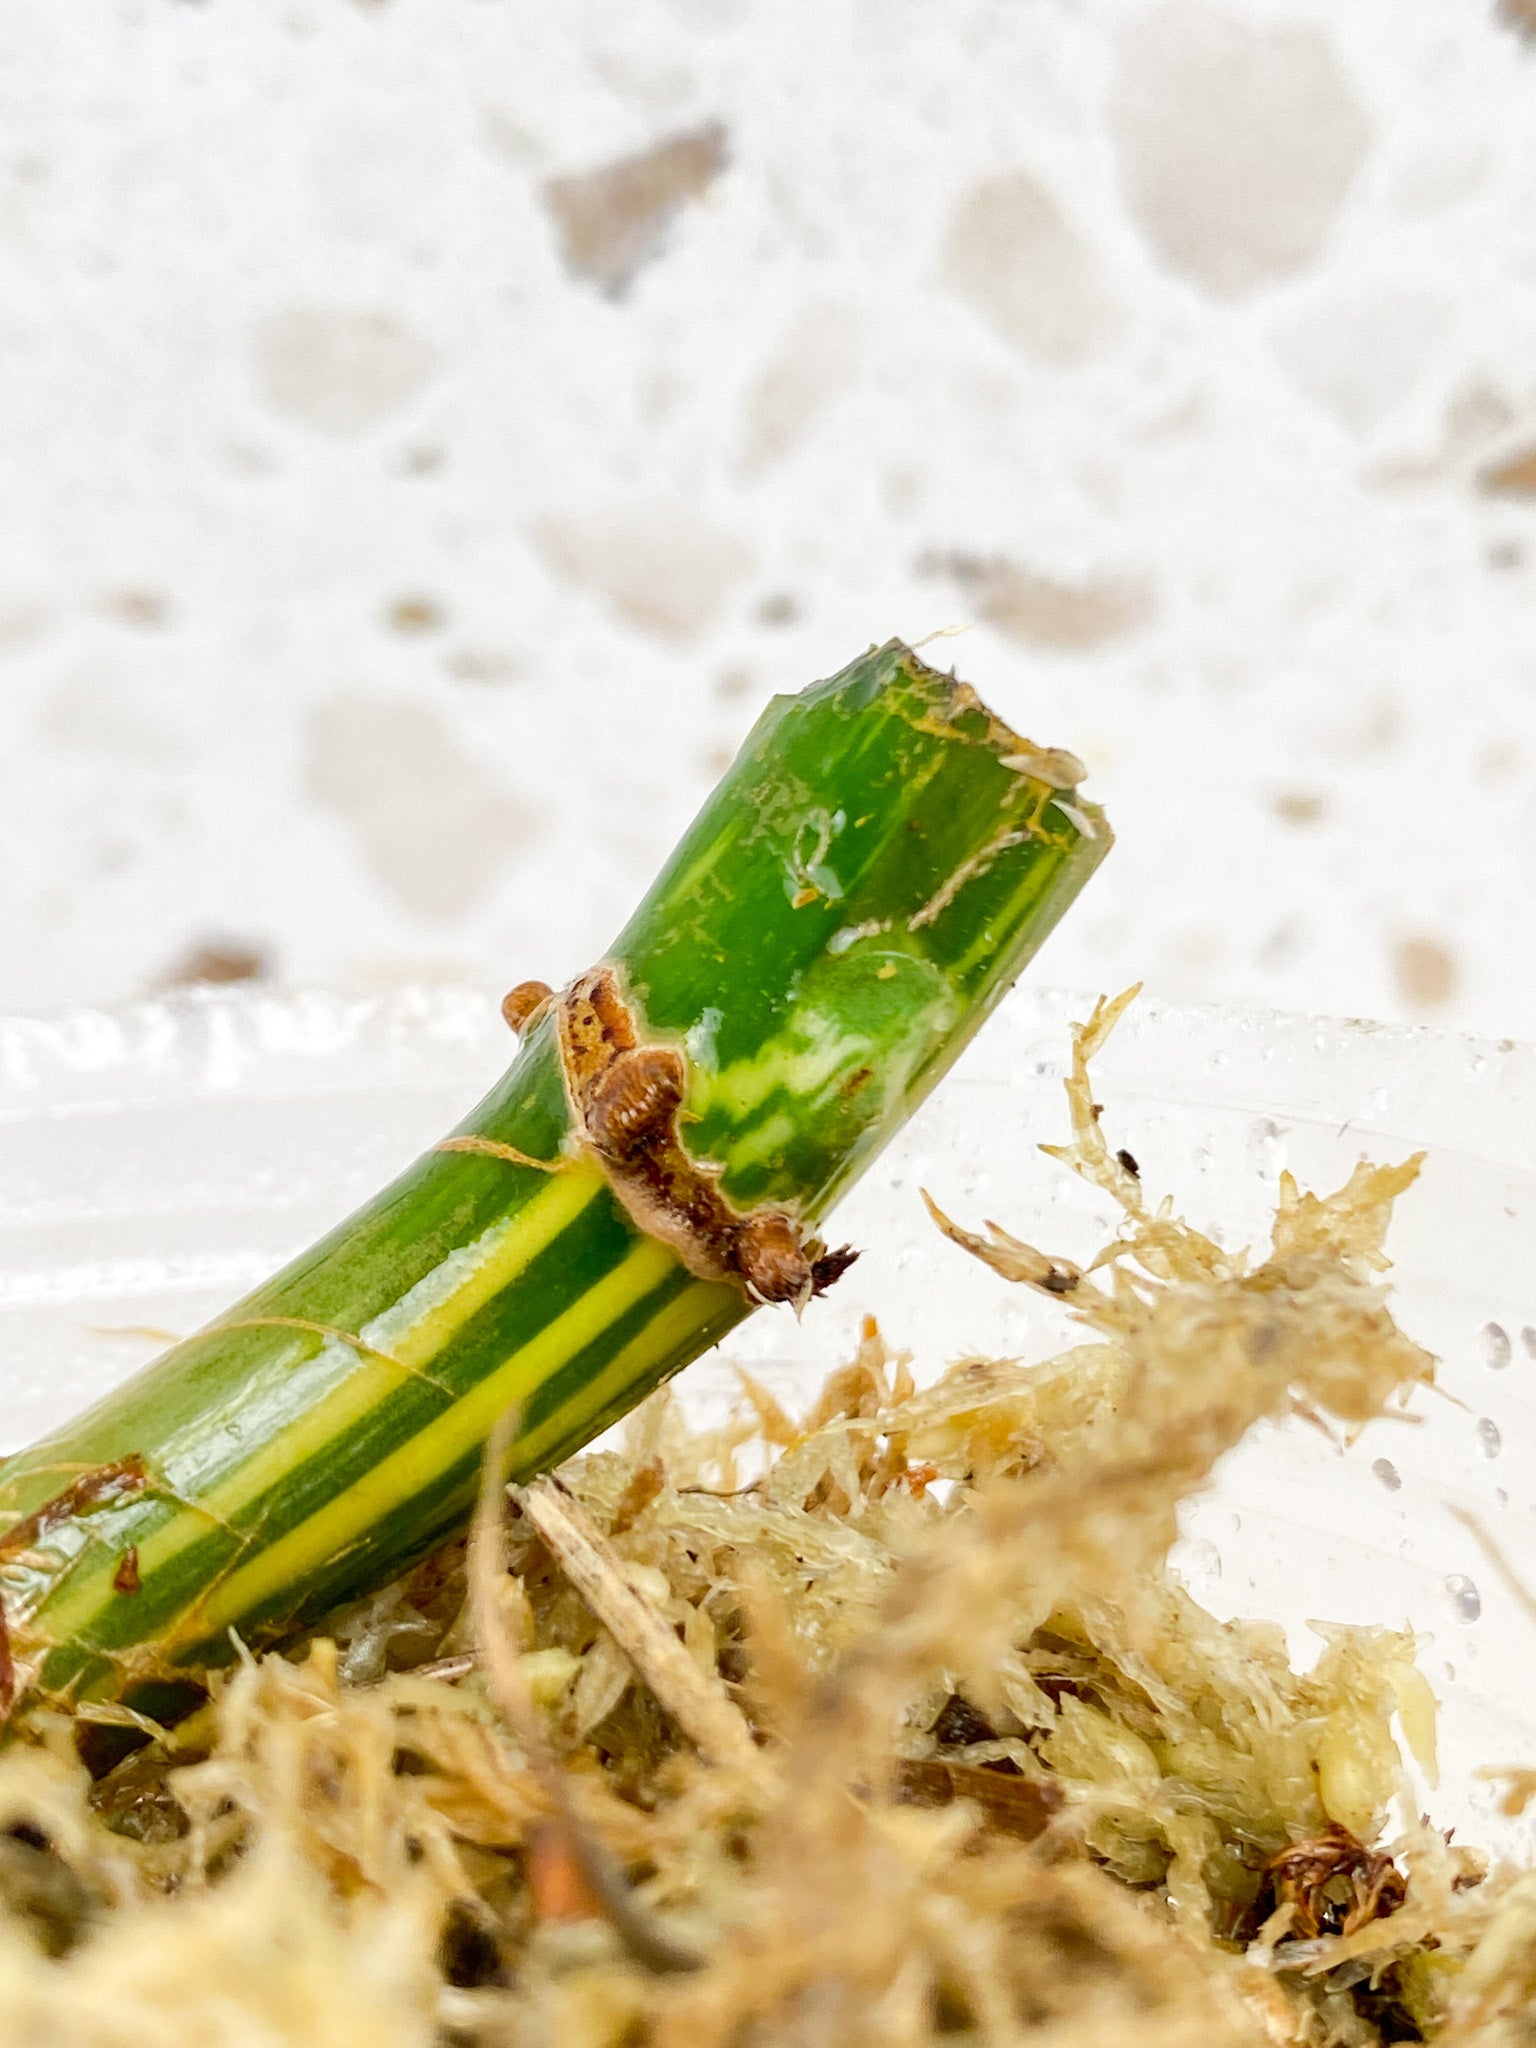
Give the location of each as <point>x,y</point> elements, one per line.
<point>877,1725</point>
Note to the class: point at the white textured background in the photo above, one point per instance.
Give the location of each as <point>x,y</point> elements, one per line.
<point>392,550</point>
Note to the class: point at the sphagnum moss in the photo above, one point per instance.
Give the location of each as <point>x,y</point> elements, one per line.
<point>948,1755</point>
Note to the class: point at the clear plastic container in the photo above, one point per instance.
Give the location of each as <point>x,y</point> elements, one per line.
<point>156,1161</point>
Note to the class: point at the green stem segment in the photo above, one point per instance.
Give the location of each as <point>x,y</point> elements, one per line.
<point>873,872</point>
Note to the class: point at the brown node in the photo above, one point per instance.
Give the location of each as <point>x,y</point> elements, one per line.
<point>519,1006</point>
<point>595,1026</point>
<point>636,1101</point>
<point>776,1266</point>
<point>770,1257</point>
<point>829,1267</point>
<point>627,1098</point>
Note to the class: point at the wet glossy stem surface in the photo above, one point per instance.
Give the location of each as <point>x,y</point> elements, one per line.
<point>864,884</point>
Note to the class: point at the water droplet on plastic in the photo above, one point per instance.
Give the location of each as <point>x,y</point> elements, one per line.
<point>1387,1473</point>
<point>1465,1600</point>
<point>1528,1339</point>
<point>1496,1346</point>
<point>1488,1436</point>
<point>1199,1557</point>
<point>1267,1148</point>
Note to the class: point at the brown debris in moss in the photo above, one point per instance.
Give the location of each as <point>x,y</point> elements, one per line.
<point>1017,1806</point>
<point>1331,1884</point>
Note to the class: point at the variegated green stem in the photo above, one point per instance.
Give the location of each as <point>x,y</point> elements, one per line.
<point>870,876</point>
